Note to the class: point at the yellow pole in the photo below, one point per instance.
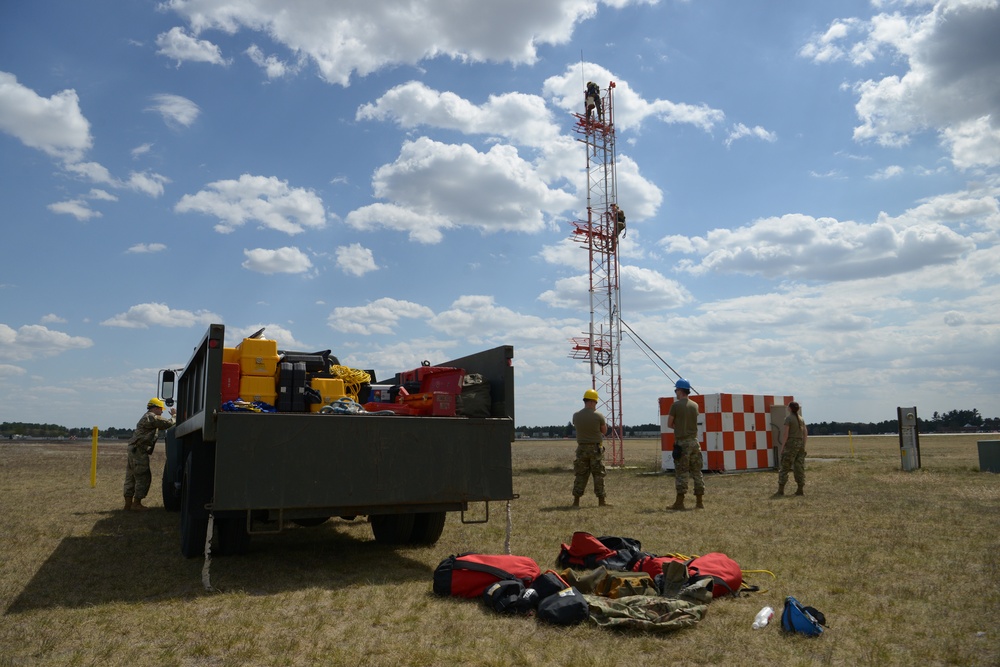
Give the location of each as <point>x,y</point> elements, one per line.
<point>93,458</point>
<point>850,439</point>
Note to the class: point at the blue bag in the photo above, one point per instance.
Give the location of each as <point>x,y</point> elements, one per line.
<point>807,621</point>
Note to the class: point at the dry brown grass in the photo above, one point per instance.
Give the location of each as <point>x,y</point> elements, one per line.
<point>905,566</point>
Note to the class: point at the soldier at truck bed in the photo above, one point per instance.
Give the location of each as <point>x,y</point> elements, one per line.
<point>137,474</point>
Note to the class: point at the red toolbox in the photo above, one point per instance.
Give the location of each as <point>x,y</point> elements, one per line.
<point>435,379</point>
<point>230,382</point>
<point>432,404</point>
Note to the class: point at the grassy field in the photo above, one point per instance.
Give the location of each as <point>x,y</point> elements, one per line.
<point>904,565</point>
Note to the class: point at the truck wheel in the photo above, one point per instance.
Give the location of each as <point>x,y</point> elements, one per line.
<point>194,516</point>
<point>230,536</point>
<point>392,528</point>
<point>427,527</point>
<point>171,497</point>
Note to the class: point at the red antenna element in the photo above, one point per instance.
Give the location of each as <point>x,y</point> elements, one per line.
<point>599,235</point>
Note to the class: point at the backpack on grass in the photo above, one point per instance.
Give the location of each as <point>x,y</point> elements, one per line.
<point>586,552</point>
<point>807,621</point>
<point>507,597</point>
<point>567,607</point>
<point>468,575</point>
<point>724,571</point>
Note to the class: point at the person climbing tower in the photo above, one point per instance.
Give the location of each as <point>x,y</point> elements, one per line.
<point>592,98</point>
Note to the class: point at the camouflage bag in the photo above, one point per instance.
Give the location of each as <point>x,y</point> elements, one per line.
<point>624,584</point>
<point>643,613</point>
<point>611,583</point>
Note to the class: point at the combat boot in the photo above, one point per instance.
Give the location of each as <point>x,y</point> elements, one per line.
<point>799,491</point>
<point>601,502</point>
<point>781,490</point>
<point>137,505</point>
<point>678,503</point>
<point>128,502</point>
<point>699,505</point>
<point>576,501</point>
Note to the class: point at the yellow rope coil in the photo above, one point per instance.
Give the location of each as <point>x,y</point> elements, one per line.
<point>352,377</point>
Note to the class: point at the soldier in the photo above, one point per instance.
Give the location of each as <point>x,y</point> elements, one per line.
<point>592,101</point>
<point>793,456</point>
<point>591,427</point>
<point>137,474</point>
<point>683,419</point>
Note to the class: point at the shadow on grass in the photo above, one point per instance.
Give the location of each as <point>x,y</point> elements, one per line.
<point>130,557</point>
<point>564,508</point>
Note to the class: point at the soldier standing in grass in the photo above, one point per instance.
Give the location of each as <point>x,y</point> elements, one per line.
<point>591,427</point>
<point>793,456</point>
<point>137,474</point>
<point>683,419</point>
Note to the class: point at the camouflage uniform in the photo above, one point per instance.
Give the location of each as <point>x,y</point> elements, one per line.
<point>687,450</point>
<point>793,455</point>
<point>137,474</point>
<point>589,452</point>
<point>644,613</point>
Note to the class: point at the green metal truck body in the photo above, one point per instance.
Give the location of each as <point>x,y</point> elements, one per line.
<point>255,471</point>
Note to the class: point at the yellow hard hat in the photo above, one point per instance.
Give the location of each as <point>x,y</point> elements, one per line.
<point>590,395</point>
<point>155,403</point>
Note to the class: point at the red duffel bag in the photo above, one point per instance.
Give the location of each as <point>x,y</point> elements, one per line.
<point>724,570</point>
<point>468,575</point>
<point>654,565</point>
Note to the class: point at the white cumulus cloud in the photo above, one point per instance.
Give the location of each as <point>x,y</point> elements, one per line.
<point>55,124</point>
<point>355,259</point>
<point>182,47</point>
<point>32,341</point>
<point>176,110</point>
<point>145,315</point>
<point>279,260</point>
<point>263,199</point>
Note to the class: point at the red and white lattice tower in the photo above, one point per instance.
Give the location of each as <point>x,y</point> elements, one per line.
<point>598,235</point>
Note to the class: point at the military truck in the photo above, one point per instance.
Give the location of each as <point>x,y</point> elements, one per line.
<point>257,472</point>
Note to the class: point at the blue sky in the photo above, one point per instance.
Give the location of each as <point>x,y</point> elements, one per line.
<point>811,191</point>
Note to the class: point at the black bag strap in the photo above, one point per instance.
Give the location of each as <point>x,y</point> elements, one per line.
<point>695,573</point>
<point>817,614</point>
<point>482,567</point>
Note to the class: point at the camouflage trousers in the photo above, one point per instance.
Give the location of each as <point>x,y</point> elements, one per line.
<point>793,457</point>
<point>644,613</point>
<point>138,476</point>
<point>687,465</point>
<point>589,461</point>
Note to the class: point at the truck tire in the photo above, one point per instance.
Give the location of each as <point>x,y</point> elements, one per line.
<point>230,536</point>
<point>171,497</point>
<point>427,527</point>
<point>194,516</point>
<point>392,528</point>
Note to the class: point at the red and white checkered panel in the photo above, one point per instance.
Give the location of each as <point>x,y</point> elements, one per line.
<point>734,431</point>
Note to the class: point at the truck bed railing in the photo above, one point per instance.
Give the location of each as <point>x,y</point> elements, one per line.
<point>200,386</point>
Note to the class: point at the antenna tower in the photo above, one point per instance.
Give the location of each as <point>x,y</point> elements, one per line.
<point>598,235</point>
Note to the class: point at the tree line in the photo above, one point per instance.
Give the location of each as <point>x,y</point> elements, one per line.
<point>9,430</point>
<point>953,421</point>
